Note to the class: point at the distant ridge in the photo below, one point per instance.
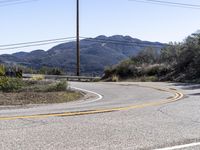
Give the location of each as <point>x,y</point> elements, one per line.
<point>96,54</point>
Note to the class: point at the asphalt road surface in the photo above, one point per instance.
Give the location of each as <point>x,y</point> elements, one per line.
<point>111,116</point>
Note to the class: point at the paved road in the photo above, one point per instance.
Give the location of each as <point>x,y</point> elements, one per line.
<point>147,124</point>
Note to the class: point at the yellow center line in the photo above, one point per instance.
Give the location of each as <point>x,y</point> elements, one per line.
<point>177,96</point>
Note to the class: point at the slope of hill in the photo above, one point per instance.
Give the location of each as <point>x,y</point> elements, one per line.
<point>177,62</point>
<point>96,54</point>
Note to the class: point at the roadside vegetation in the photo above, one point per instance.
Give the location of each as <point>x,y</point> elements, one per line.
<point>16,91</point>
<point>179,62</point>
<point>43,70</point>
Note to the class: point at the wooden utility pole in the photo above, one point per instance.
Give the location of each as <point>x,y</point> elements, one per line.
<point>77,40</point>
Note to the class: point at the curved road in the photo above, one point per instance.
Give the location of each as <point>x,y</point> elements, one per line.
<point>111,116</point>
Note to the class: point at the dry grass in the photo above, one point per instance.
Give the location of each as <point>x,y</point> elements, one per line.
<point>23,98</point>
<point>40,92</point>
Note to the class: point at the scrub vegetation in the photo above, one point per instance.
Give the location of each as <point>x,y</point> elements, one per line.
<point>178,62</point>
<point>16,91</point>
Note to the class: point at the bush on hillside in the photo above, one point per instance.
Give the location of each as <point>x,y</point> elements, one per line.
<point>8,84</point>
<point>2,70</point>
<point>60,86</point>
<point>176,62</point>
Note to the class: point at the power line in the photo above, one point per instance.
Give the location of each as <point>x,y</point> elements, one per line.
<point>8,1</point>
<point>15,2</point>
<point>34,42</point>
<point>174,3</point>
<point>32,45</point>
<point>169,3</point>
<point>72,39</point>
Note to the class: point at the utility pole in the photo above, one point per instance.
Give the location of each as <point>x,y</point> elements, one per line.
<point>77,40</point>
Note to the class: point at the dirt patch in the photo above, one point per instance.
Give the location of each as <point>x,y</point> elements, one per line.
<point>23,98</point>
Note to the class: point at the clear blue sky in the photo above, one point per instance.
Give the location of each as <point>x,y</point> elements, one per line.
<point>48,19</point>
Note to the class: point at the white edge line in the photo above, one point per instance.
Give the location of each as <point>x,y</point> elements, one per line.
<point>84,90</point>
<point>180,146</point>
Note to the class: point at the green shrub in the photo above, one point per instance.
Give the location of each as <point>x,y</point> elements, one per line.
<point>157,70</point>
<point>51,71</point>
<point>96,80</point>
<point>115,78</point>
<point>2,70</point>
<point>60,86</point>
<point>10,84</point>
<point>108,72</point>
<point>37,77</point>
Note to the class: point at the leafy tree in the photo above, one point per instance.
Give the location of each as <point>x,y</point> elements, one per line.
<point>2,70</point>
<point>149,56</point>
<point>50,71</point>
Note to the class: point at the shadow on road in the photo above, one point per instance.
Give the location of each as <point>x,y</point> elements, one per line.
<point>187,86</point>
<point>195,94</point>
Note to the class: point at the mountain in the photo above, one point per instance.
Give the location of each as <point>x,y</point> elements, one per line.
<point>95,54</point>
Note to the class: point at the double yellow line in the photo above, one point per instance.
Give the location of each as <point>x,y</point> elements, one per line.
<point>177,96</point>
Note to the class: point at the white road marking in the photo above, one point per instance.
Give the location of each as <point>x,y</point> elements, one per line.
<point>180,146</point>
<point>84,90</point>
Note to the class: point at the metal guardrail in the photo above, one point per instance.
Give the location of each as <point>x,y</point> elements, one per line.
<point>69,78</point>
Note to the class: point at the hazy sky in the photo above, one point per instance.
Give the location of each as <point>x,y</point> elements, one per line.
<point>49,19</point>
